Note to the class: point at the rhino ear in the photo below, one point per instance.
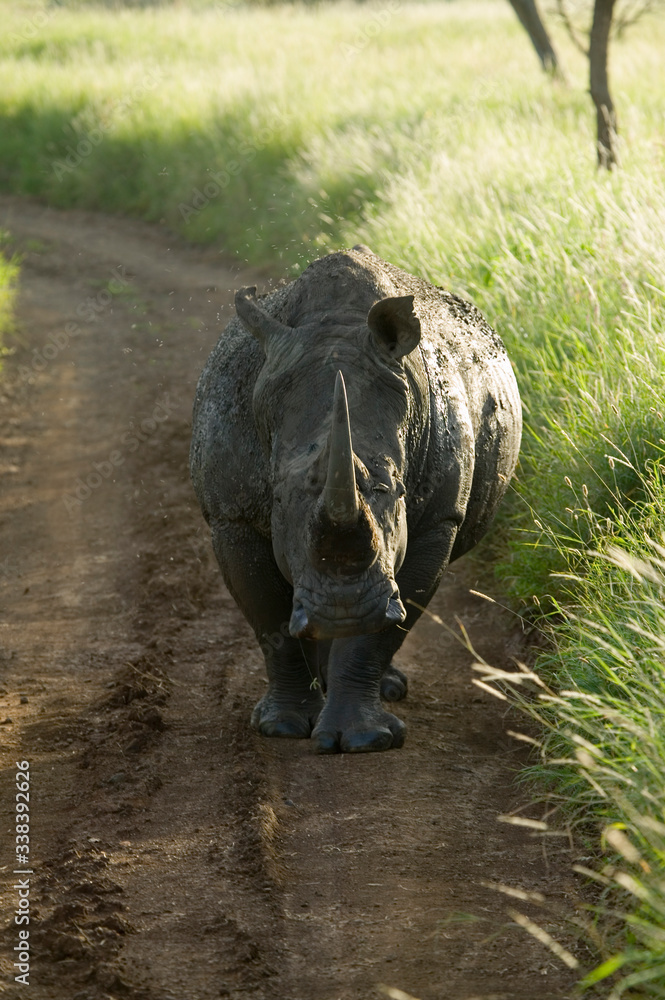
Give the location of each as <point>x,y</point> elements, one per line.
<point>256,320</point>
<point>394,326</point>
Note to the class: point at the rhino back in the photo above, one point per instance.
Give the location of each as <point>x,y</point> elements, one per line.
<point>341,286</point>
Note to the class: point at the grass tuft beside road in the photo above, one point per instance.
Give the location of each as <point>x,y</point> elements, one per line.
<point>8,280</point>
<point>599,700</point>
<point>428,132</point>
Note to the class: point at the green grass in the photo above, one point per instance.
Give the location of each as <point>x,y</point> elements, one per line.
<point>428,132</point>
<point>8,281</point>
<point>602,756</point>
<point>281,133</point>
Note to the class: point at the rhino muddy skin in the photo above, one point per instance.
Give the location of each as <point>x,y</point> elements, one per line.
<point>354,432</point>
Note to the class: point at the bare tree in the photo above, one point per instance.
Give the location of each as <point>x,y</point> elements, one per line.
<point>597,52</point>
<point>606,119</point>
<point>611,18</point>
<point>532,23</point>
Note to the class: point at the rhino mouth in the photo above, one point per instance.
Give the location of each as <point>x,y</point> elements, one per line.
<point>337,609</point>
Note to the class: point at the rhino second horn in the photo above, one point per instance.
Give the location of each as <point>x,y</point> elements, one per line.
<point>339,494</point>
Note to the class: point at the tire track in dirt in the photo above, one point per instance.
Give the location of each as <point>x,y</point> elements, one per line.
<point>177,855</point>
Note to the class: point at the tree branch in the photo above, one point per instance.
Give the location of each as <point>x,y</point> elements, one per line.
<point>570,28</point>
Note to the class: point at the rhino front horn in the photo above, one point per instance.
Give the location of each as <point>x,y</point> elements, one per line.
<point>339,494</point>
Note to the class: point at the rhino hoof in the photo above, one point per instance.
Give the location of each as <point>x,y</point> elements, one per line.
<point>295,724</point>
<point>389,736</point>
<point>394,684</point>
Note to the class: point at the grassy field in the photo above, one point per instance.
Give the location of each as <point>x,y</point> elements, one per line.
<point>428,132</point>
<point>8,278</point>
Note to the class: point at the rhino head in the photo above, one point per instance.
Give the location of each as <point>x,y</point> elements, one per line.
<point>337,461</point>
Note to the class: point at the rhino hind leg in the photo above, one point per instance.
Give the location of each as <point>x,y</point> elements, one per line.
<point>293,701</point>
<point>394,684</point>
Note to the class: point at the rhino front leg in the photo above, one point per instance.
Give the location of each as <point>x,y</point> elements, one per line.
<point>291,705</point>
<point>353,719</point>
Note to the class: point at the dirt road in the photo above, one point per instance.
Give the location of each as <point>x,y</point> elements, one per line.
<point>175,854</point>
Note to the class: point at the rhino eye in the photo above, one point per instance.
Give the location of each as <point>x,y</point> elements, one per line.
<point>381,488</point>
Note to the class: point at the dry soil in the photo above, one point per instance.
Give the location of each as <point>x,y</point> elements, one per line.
<point>175,854</point>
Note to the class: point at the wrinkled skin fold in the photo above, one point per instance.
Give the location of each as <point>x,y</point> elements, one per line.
<point>354,432</point>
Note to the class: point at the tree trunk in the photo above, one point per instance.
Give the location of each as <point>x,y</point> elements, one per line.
<point>530,20</point>
<point>600,91</point>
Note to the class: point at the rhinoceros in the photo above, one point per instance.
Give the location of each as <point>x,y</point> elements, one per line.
<point>353,433</point>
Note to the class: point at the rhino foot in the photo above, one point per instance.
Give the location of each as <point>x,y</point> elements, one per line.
<point>294,721</point>
<point>394,684</point>
<point>372,731</point>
